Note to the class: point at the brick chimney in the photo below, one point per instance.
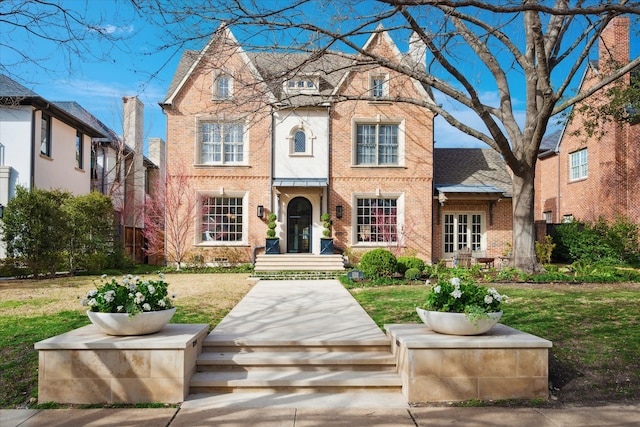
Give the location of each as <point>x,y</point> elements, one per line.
<point>614,44</point>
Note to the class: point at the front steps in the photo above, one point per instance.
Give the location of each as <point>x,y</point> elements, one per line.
<point>289,367</point>
<point>269,264</point>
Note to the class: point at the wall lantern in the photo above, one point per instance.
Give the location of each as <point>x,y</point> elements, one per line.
<point>260,211</point>
<point>339,211</point>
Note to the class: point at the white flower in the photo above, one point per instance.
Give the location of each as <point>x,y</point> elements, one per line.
<point>428,282</point>
<point>120,307</point>
<point>161,276</point>
<point>92,302</point>
<point>92,293</point>
<point>455,282</point>
<point>152,290</point>
<point>488,299</point>
<point>110,295</point>
<point>437,289</point>
<point>161,303</point>
<point>146,306</point>
<point>104,276</point>
<point>457,293</point>
<point>126,281</point>
<point>139,297</point>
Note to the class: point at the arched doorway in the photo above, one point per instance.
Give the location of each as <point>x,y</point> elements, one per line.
<point>299,225</point>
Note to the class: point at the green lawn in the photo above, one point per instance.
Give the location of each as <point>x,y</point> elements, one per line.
<point>595,330</point>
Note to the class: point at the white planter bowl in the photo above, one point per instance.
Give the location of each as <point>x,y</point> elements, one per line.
<point>144,323</point>
<point>457,323</point>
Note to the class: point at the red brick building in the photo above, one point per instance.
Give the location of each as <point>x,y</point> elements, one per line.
<point>584,177</point>
<point>299,135</point>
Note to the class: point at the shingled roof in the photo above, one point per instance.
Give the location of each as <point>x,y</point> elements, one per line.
<point>470,170</point>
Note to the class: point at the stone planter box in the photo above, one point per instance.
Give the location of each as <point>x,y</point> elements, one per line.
<point>504,363</point>
<point>86,366</point>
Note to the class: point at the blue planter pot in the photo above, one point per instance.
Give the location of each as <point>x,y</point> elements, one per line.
<point>273,246</point>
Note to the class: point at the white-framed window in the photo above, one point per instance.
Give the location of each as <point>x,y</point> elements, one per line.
<point>45,135</point>
<point>79,149</point>
<point>221,142</point>
<point>377,219</point>
<point>463,229</point>
<point>568,218</point>
<point>578,165</point>
<point>300,142</point>
<point>377,144</point>
<point>223,218</point>
<point>379,85</point>
<point>548,217</point>
<point>222,86</point>
<point>302,84</point>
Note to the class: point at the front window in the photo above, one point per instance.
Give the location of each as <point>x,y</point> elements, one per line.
<point>45,135</point>
<point>222,143</point>
<point>462,230</point>
<point>377,144</point>
<point>222,219</point>
<point>377,219</point>
<point>79,150</point>
<point>578,165</point>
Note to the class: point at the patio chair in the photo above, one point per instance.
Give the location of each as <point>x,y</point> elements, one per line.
<point>462,258</point>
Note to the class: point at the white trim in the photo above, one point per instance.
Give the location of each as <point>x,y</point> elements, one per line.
<point>200,195</point>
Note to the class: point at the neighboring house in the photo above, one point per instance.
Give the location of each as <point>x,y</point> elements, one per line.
<point>472,202</point>
<point>60,145</point>
<point>43,144</point>
<point>587,177</point>
<point>255,137</point>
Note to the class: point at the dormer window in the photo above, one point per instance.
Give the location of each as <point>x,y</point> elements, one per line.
<point>222,86</point>
<point>306,85</point>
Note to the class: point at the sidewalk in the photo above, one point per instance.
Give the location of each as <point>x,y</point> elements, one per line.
<point>313,310</point>
<point>611,415</point>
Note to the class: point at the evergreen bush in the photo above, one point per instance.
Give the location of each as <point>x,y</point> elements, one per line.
<point>378,262</point>
<point>406,262</point>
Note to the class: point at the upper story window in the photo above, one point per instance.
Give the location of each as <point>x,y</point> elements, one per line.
<point>222,143</point>
<point>378,85</point>
<point>377,144</point>
<point>79,149</point>
<point>222,86</point>
<point>45,135</point>
<point>578,165</point>
<point>300,142</point>
<point>304,85</point>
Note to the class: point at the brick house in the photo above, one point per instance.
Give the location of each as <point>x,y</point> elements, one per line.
<point>300,135</point>
<point>586,177</point>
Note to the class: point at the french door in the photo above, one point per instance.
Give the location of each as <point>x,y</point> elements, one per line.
<point>463,229</point>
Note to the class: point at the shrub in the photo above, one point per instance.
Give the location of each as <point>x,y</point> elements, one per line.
<point>413,273</point>
<point>407,262</point>
<point>378,262</point>
<point>544,250</point>
<point>271,226</point>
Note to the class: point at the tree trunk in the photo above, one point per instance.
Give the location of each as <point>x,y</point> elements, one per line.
<point>524,251</point>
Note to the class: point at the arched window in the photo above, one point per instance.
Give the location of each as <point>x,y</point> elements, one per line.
<point>300,142</point>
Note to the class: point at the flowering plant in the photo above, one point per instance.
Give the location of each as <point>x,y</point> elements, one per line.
<point>132,295</point>
<point>455,296</point>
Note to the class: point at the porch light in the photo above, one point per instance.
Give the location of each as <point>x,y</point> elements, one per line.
<point>260,211</point>
<point>339,211</point>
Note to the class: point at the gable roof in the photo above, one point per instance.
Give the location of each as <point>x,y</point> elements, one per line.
<point>13,93</point>
<point>470,170</point>
<point>273,69</point>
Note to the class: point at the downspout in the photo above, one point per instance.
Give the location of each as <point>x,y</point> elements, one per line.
<point>32,172</point>
<point>271,161</point>
<point>329,163</point>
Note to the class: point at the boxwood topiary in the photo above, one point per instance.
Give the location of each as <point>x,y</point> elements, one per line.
<point>407,262</point>
<point>378,262</point>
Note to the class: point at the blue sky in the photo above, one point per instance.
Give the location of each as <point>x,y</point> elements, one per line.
<point>138,66</point>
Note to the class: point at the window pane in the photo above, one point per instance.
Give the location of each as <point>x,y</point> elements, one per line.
<point>215,136</point>
<point>300,142</point>
<point>377,220</point>
<point>223,87</point>
<point>388,145</point>
<point>366,144</point>
<point>45,133</point>
<point>78,150</point>
<point>222,219</point>
<point>378,86</point>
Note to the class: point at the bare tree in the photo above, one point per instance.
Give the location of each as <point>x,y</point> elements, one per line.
<point>485,57</point>
<point>77,32</point>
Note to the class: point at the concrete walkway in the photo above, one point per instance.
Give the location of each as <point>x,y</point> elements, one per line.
<point>312,310</point>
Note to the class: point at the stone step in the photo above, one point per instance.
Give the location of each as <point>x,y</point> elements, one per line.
<point>298,262</point>
<point>296,360</point>
<point>294,381</point>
